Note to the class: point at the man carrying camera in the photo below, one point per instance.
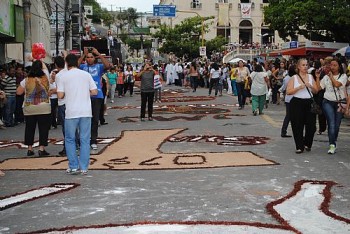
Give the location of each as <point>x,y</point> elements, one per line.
<point>96,70</point>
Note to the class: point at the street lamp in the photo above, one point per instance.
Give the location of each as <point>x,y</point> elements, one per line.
<point>261,37</point>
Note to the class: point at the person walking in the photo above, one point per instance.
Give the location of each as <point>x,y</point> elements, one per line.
<point>9,87</point>
<point>157,85</point>
<point>242,75</point>
<point>194,76</point>
<point>334,84</point>
<point>215,73</point>
<point>78,113</point>
<point>259,88</point>
<point>60,66</point>
<point>112,78</point>
<point>53,98</point>
<point>120,81</point>
<point>36,106</point>
<point>147,91</point>
<point>301,86</point>
<point>287,98</point>
<point>96,71</point>
<point>129,80</point>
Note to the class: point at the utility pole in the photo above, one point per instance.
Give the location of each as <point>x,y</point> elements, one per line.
<point>57,35</point>
<point>27,31</point>
<point>66,25</point>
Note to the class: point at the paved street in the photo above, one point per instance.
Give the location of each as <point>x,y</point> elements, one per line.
<point>202,166</point>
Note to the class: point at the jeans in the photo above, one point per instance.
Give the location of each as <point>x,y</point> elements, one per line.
<point>112,90</point>
<point>286,120</point>
<point>84,126</point>
<point>147,97</point>
<point>234,87</point>
<point>61,115</point>
<point>54,104</point>
<point>96,108</point>
<point>19,117</point>
<point>214,82</point>
<point>333,120</point>
<point>194,82</point>
<point>241,93</point>
<point>9,108</point>
<point>158,94</point>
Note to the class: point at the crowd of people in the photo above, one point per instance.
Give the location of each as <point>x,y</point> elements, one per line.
<point>46,96</point>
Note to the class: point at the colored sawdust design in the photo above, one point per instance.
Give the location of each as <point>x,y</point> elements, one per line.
<point>222,140</point>
<point>54,141</point>
<point>167,106</point>
<point>187,99</point>
<point>304,210</point>
<point>134,119</point>
<point>140,150</point>
<point>189,110</point>
<point>227,116</point>
<point>33,194</point>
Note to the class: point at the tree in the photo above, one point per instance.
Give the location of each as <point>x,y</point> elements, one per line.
<point>184,38</point>
<point>127,17</point>
<point>325,20</point>
<point>99,13</point>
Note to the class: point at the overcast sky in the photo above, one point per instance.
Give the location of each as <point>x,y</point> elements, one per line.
<point>140,5</point>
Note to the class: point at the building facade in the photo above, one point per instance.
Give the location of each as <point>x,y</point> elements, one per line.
<point>239,21</point>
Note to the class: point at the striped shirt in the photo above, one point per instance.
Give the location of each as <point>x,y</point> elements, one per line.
<point>9,84</point>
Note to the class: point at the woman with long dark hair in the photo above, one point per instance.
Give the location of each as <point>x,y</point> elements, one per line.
<point>334,84</point>
<point>36,107</point>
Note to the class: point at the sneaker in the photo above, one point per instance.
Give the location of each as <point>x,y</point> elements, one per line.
<point>112,101</point>
<point>332,149</point>
<point>94,146</point>
<point>255,112</point>
<point>72,171</point>
<point>84,172</point>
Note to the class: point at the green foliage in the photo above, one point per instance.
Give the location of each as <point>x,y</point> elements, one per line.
<point>135,44</point>
<point>316,20</point>
<point>184,38</point>
<point>127,17</point>
<point>216,44</point>
<point>99,13</point>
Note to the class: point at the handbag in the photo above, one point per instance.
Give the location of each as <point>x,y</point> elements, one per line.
<point>342,102</point>
<point>315,107</point>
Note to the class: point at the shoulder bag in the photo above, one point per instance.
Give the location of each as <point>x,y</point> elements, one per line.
<point>315,108</point>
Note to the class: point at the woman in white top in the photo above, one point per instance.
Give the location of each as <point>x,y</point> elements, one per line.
<point>215,73</point>
<point>260,81</point>
<point>334,84</point>
<point>300,107</point>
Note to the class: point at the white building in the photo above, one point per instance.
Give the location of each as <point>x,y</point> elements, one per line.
<point>240,21</point>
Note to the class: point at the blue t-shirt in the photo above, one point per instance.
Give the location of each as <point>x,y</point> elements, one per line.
<point>96,71</point>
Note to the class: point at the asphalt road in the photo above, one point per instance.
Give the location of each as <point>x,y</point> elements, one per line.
<point>283,197</point>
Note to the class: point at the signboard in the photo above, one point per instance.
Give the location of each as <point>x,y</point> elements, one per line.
<point>19,28</point>
<point>7,18</point>
<point>294,44</point>
<point>202,51</point>
<point>60,20</point>
<point>164,10</point>
<point>88,10</point>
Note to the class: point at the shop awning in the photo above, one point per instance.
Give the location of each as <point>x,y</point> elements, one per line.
<point>301,51</point>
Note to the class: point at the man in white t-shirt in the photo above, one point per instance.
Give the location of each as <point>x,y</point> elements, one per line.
<point>76,86</point>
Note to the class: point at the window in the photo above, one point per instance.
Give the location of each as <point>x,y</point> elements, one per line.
<point>245,1</point>
<point>196,4</point>
<point>265,1</point>
<point>222,1</point>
